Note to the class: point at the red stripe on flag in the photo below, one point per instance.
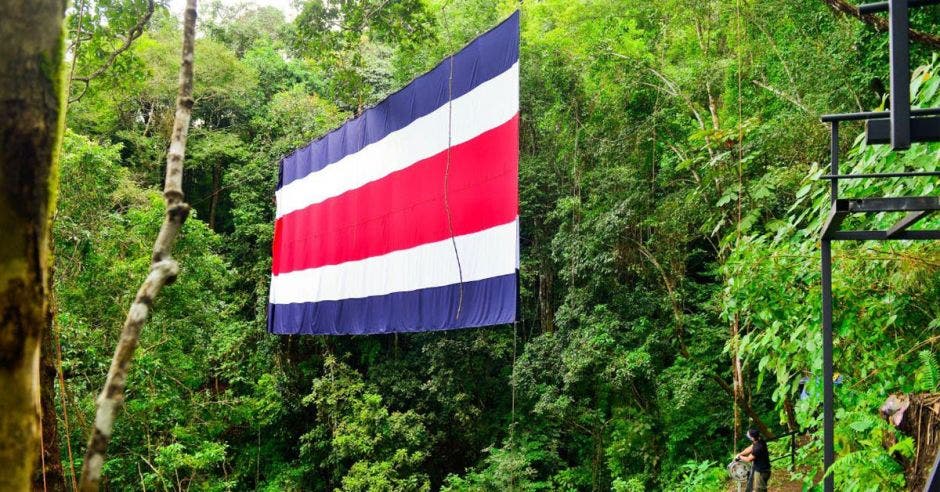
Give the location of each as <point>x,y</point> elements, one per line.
<point>406,208</point>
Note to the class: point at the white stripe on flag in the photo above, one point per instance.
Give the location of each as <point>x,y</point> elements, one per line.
<point>487,106</point>
<point>484,254</point>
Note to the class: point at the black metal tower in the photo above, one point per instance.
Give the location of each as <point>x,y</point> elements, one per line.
<point>899,127</point>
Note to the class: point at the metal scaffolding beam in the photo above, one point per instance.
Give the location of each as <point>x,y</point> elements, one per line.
<point>900,126</point>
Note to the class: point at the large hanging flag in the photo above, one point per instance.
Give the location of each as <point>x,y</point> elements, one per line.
<point>405,218</point>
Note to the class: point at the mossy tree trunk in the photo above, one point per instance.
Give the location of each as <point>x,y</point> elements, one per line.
<point>30,131</point>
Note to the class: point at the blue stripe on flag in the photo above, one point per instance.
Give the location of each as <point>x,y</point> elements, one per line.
<point>486,57</point>
<point>485,302</point>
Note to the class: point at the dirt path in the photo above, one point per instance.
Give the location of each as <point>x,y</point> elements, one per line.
<point>780,481</point>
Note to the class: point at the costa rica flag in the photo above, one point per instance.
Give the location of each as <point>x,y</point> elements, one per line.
<point>406,218</point>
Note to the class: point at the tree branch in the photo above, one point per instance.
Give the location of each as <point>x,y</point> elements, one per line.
<point>134,33</point>
<point>673,89</point>
<point>782,95</point>
<point>163,269</point>
<point>880,24</point>
<point>761,426</point>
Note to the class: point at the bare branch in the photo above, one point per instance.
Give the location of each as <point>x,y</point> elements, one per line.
<point>673,89</point>
<point>77,43</point>
<point>782,95</point>
<point>163,269</point>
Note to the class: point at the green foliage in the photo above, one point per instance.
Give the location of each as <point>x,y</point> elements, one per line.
<point>103,235</point>
<point>669,156</point>
<point>930,370</point>
<point>240,25</point>
<point>351,40</point>
<point>366,446</point>
<point>876,287</point>
<point>701,476</point>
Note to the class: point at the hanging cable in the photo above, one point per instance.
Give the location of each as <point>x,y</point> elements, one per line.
<point>515,338</point>
<point>450,124</point>
<point>42,450</point>
<point>64,399</point>
<point>737,370</point>
<point>737,10</point>
<point>512,425</point>
<point>515,327</point>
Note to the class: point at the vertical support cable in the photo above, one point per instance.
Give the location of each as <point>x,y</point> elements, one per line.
<point>63,397</point>
<point>512,426</point>
<point>515,323</point>
<point>737,24</point>
<point>735,326</point>
<point>512,423</point>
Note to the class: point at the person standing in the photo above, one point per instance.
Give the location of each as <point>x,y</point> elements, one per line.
<point>757,455</point>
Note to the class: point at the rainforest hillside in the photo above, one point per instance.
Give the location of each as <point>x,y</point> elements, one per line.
<point>670,286</point>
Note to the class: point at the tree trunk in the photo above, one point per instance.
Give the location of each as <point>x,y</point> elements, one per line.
<point>761,426</point>
<point>792,424</point>
<point>546,310</point>
<point>216,183</point>
<point>51,477</point>
<point>30,131</point>
<point>736,378</point>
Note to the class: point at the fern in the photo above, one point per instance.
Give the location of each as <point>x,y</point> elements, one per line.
<point>931,368</point>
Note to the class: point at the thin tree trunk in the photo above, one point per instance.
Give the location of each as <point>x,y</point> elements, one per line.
<point>712,106</point>
<point>215,195</point>
<point>737,379</point>
<point>51,477</point>
<point>546,310</point>
<point>30,131</point>
<point>163,269</point>
<point>761,426</point>
<point>788,408</point>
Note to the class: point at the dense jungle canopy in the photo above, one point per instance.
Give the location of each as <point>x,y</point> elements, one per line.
<point>670,214</point>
